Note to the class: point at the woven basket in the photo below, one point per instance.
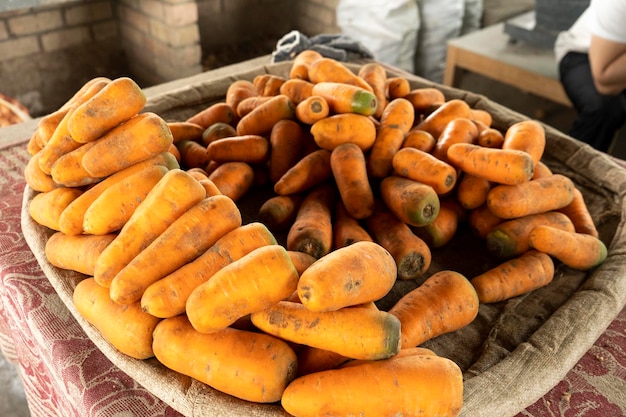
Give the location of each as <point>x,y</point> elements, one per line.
<point>511,355</point>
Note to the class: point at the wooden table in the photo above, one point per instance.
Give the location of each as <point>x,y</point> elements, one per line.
<point>492,53</point>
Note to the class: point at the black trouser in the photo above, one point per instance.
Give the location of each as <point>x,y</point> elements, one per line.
<point>599,116</point>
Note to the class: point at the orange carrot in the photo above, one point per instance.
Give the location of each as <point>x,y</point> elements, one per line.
<point>346,229</point>
<point>330,70</point>
<point>233,179</point>
<point>376,76</point>
<point>311,170</point>
<point>192,154</point>
<point>528,136</point>
<point>311,231</point>
<point>459,130</point>
<point>46,208</point>
<point>217,130</point>
<point>481,220</point>
<point>169,199</point>
<point>576,250</point>
<point>347,162</point>
<point>377,335</point>
<point>397,87</point>
<point>445,302</point>
<point>413,202</point>
<point>252,149</point>
<point>68,170</point>
<point>36,179</point>
<point>419,139</point>
<point>268,84</point>
<point>76,252</point>
<point>302,62</point>
<point>341,128</point>
<point>510,237</point>
<point>297,89</point>
<point>481,116</point>
<point>503,166</point>
<point>248,104</point>
<point>517,276</point>
<point>537,196</point>
<point>472,191</point>
<point>260,120</point>
<point>220,112</point>
<point>579,214</point>
<point>441,231</point>
<point>114,104</point>
<point>312,359</point>
<point>168,296</point>
<point>185,131</point>
<point>411,254</point>
<point>312,109</point>
<point>286,143</point>
<point>278,212</point>
<point>237,91</point>
<point>248,365</point>
<point>346,98</point>
<point>425,99</point>
<point>490,138</point>
<point>541,170</point>
<point>426,168</point>
<point>126,328</point>
<point>301,261</point>
<point>436,121</point>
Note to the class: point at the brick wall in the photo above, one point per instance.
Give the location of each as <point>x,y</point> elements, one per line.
<point>48,52</point>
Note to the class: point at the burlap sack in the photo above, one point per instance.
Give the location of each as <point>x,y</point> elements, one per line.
<point>511,355</point>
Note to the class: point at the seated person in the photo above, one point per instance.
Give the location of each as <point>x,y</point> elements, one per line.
<point>592,67</point>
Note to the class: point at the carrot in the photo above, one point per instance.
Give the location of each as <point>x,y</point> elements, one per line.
<point>68,170</point>
<point>125,327</point>
<point>481,220</point>
<point>311,359</point>
<point>110,210</point>
<point>579,214</point>
<point>175,152</point>
<point>503,166</point>
<point>510,237</point>
<point>541,170</point>
<point>412,385</point>
<point>441,231</point>
<point>233,179</point>
<point>528,136</point>
<point>341,128</point>
<point>301,63</point>
<point>297,89</point>
<point>312,109</point>
<point>140,138</point>
<point>481,116</point>
<point>76,252</point>
<point>248,365</point>
<point>252,149</point>
<point>537,196</point>
<point>44,130</point>
<point>237,91</point>
<point>411,254</point>
<point>311,170</point>
<point>346,98</point>
<point>184,240</point>
<point>395,122</point>
<point>268,84</point>
<point>424,167</point>
<point>248,104</point>
<point>168,296</point>
<point>577,250</point>
<point>169,199</point>
<point>436,121</point>
<point>445,302</point>
<point>347,162</point>
<point>413,202</point>
<point>61,142</point>
<point>270,277</point>
<point>354,332</point>
<point>490,138</point>
<point>72,218</point>
<point>425,99</point>
<point>330,70</point>
<point>397,87</point>
<point>80,94</point>
<point>185,131</point>
<point>220,112</point>
<point>311,231</point>
<point>346,229</point>
<point>35,178</point>
<point>359,273</point>
<point>116,103</point>
<point>217,130</point>
<point>459,130</point>
<point>376,76</point>
<point>260,120</point>
<point>192,154</point>
<point>525,273</point>
<point>419,139</point>
<point>286,143</point>
<point>46,208</point>
<point>472,191</point>
<point>279,212</point>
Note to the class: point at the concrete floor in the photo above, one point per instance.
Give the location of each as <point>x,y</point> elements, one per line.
<point>552,114</point>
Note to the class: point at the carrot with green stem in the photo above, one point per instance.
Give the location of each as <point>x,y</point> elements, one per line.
<point>525,273</point>
<point>184,240</point>
<point>376,76</point>
<point>169,199</point>
<point>576,250</point>
<point>168,296</point>
<point>252,283</point>
<point>445,302</point>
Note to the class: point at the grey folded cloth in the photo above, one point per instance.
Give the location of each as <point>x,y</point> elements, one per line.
<point>336,46</point>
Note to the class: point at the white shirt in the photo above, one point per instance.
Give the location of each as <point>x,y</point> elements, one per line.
<point>603,18</point>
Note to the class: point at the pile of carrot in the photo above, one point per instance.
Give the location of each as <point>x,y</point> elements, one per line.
<point>368,176</point>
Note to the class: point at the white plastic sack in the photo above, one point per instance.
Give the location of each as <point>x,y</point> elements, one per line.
<point>388,28</point>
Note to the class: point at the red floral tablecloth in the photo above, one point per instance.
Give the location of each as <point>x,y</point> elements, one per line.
<point>64,374</point>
